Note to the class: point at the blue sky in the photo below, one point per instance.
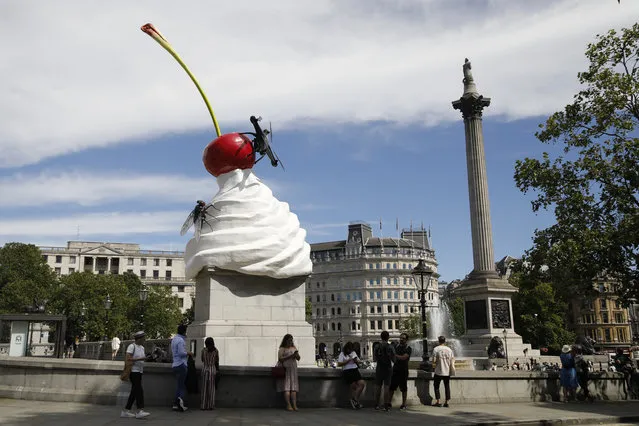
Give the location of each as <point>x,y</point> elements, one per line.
<point>103,131</point>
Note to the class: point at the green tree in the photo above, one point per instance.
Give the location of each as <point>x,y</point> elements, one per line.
<point>413,325</point>
<point>308,310</point>
<point>593,184</point>
<point>25,278</point>
<point>539,310</point>
<point>456,315</point>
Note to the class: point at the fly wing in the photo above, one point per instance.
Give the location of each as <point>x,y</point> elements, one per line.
<point>190,220</point>
<point>198,228</point>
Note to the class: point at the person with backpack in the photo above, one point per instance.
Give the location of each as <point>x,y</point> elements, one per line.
<point>581,367</point>
<point>385,357</point>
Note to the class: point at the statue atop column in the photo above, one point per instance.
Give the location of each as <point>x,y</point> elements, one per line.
<point>468,76</point>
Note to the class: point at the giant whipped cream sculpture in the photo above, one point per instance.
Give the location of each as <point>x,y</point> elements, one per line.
<point>244,228</point>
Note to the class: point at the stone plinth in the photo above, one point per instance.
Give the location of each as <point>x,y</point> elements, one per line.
<point>488,312</point>
<point>249,315</point>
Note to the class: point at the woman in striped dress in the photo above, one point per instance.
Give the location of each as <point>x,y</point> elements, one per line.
<point>210,365</point>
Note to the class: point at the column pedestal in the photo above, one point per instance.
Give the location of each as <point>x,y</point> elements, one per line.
<point>248,316</point>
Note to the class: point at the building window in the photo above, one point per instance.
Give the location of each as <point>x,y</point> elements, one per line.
<point>388,266</point>
<point>318,327</point>
<point>619,318</point>
<point>339,325</point>
<point>370,266</point>
<point>323,311</point>
<point>169,262</point>
<point>142,262</point>
<point>339,311</point>
<point>58,259</point>
<point>353,326</point>
<point>602,303</point>
<point>181,288</point>
<point>323,298</point>
<point>45,257</point>
<point>389,309</point>
<point>372,309</point>
<point>396,295</point>
<point>333,326</point>
<point>405,309</point>
<point>324,327</point>
<point>379,295</point>
<point>388,294</point>
<point>180,302</point>
<point>332,297</point>
<point>390,324</point>
<point>372,325</point>
<point>377,266</point>
<point>396,309</point>
<point>156,262</point>
<point>332,311</point>
<point>156,274</point>
<point>317,297</point>
<point>129,261</point>
<point>318,312</point>
<point>348,297</point>
<point>142,273</point>
<point>394,265</point>
<point>607,335</point>
<point>371,295</point>
<point>58,271</point>
<point>71,270</point>
<point>617,304</point>
<point>358,311</point>
<point>168,275</point>
<point>379,309</point>
<point>621,335</point>
<point>72,260</point>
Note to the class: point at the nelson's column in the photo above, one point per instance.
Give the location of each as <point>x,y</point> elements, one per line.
<point>487,296</point>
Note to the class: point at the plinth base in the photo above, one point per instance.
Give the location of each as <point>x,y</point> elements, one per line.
<point>248,316</point>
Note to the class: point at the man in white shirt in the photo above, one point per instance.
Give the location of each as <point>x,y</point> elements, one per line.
<point>115,346</point>
<point>444,367</point>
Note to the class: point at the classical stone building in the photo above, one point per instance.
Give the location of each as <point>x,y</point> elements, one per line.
<point>154,267</point>
<point>363,285</point>
<point>603,318</point>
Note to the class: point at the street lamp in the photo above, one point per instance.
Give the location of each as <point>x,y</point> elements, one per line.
<point>419,271</point>
<point>107,308</point>
<point>83,312</point>
<point>506,346</point>
<point>144,294</point>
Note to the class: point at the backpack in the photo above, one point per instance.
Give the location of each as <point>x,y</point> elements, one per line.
<point>385,354</point>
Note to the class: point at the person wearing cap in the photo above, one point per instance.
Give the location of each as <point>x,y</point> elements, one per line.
<point>568,373</point>
<point>135,354</point>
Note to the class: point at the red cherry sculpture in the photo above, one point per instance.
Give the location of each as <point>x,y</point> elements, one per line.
<point>227,153</point>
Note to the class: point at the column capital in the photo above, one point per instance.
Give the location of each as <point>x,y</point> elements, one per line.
<point>471,105</point>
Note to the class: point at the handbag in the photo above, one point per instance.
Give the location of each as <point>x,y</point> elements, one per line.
<point>279,371</point>
<point>126,372</point>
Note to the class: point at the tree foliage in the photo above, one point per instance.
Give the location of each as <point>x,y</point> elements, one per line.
<point>539,309</point>
<point>455,307</point>
<point>593,185</point>
<point>25,278</point>
<point>412,325</point>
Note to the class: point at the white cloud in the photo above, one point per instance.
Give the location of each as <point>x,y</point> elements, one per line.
<point>103,224</point>
<point>85,188</point>
<point>81,74</point>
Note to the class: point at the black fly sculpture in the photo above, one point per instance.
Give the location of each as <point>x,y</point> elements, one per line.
<point>261,144</point>
<point>197,218</point>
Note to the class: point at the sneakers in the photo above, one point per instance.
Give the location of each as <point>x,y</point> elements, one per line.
<point>437,404</point>
<point>180,404</point>
<point>402,408</point>
<point>127,414</point>
<point>445,404</point>
<point>141,414</point>
<point>353,404</point>
<point>175,408</point>
<point>377,408</point>
<point>359,406</point>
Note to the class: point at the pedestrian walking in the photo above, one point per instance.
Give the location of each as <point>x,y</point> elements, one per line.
<point>115,346</point>
<point>135,355</point>
<point>444,368</point>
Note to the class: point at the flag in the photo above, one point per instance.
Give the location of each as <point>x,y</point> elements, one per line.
<point>397,224</point>
<point>380,225</point>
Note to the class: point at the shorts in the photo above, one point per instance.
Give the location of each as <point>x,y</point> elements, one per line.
<point>383,375</point>
<point>352,375</point>
<point>399,380</point>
